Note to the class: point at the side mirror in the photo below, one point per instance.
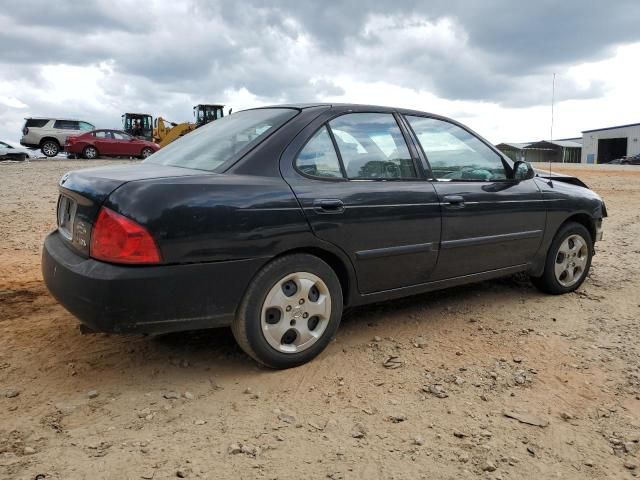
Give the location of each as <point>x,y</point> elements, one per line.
<point>523,171</point>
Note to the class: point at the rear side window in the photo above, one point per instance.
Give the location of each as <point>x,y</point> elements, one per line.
<point>67,125</point>
<point>36,122</point>
<point>102,134</point>
<point>318,158</point>
<point>209,147</point>
<point>455,154</point>
<point>372,146</point>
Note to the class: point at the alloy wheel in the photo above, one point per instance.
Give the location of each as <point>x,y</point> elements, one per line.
<point>50,149</point>
<point>296,312</point>
<point>571,260</point>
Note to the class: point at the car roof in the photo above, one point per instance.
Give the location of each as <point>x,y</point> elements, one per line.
<point>57,118</point>
<point>108,130</point>
<point>357,106</point>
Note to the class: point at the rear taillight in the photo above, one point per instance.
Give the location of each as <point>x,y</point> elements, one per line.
<point>25,130</point>
<point>117,239</point>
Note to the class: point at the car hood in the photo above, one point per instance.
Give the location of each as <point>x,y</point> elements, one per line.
<point>560,177</point>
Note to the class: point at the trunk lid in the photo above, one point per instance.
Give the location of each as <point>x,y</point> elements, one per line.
<point>82,193</point>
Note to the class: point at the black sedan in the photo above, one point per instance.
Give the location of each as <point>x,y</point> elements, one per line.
<point>274,220</point>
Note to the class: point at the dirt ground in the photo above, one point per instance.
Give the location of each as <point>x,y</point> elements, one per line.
<point>193,405</point>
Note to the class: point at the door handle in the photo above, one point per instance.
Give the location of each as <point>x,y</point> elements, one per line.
<point>454,201</point>
<point>328,205</point>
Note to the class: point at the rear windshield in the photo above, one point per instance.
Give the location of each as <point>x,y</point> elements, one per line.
<point>208,147</point>
<point>36,122</point>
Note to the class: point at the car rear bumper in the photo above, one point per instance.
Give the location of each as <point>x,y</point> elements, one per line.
<point>144,299</point>
<point>72,148</point>
<point>26,143</point>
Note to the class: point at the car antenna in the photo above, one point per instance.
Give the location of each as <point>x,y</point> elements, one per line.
<point>553,97</point>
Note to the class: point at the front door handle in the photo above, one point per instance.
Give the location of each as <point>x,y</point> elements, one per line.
<point>328,205</point>
<point>454,201</point>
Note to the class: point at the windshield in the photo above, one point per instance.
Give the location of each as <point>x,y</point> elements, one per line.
<point>208,147</point>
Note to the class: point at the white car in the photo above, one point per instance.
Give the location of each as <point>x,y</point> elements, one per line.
<point>10,151</point>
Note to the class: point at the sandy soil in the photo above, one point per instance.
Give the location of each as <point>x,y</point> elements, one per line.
<point>193,405</point>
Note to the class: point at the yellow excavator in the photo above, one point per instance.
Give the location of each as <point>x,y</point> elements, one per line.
<point>165,132</point>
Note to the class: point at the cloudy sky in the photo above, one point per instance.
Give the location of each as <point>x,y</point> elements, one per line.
<point>488,64</point>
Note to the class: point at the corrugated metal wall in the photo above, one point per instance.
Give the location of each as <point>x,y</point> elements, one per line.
<point>590,141</point>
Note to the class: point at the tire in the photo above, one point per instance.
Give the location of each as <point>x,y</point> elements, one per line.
<point>276,325</point>
<point>146,152</point>
<point>90,152</point>
<point>564,273</point>
<point>50,148</point>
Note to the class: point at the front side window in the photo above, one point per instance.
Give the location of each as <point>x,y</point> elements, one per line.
<point>318,158</point>
<point>372,146</point>
<point>208,147</point>
<point>455,154</point>
<point>121,136</point>
<point>86,126</point>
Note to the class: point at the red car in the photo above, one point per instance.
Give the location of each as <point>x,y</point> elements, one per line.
<point>109,143</point>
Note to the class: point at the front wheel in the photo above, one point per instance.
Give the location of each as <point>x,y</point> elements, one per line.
<point>568,260</point>
<point>146,152</point>
<point>290,311</point>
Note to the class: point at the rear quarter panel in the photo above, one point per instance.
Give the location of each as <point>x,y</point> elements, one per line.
<point>215,217</point>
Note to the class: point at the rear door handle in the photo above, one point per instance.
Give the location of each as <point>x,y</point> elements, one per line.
<point>454,201</point>
<point>328,205</point>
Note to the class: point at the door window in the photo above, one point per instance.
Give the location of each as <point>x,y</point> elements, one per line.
<point>86,126</point>
<point>455,154</point>
<point>318,158</point>
<point>372,146</point>
<point>66,125</point>
<point>103,134</point>
<point>121,136</point>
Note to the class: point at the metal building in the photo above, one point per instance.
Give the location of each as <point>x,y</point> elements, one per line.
<point>556,151</point>
<point>515,151</point>
<point>566,150</point>
<point>605,144</point>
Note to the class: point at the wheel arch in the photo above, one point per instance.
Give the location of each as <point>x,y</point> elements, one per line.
<point>339,265</point>
<point>47,138</point>
<point>87,145</point>
<point>583,219</point>
<point>146,147</point>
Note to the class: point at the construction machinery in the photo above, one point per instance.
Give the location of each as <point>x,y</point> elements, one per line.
<point>207,113</point>
<point>165,132</point>
<point>162,131</point>
<point>139,125</point>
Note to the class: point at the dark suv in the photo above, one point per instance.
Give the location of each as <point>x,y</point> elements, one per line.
<point>273,220</point>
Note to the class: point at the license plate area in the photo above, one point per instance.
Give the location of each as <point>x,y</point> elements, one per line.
<point>66,216</point>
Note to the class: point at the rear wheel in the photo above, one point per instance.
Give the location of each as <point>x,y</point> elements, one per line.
<point>90,152</point>
<point>290,311</point>
<point>50,148</point>
<point>146,152</point>
<point>568,260</point>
